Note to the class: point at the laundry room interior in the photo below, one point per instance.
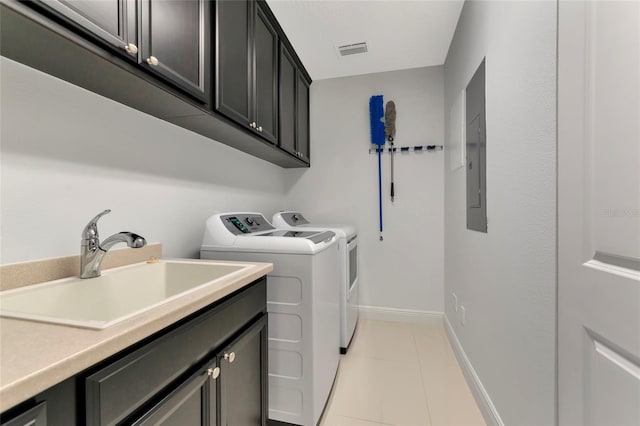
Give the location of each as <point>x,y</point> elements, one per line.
<point>455,326</point>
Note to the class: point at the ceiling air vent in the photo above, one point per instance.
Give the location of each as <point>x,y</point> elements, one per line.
<point>352,49</point>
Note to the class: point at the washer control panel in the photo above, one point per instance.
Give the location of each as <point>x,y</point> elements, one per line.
<point>245,223</point>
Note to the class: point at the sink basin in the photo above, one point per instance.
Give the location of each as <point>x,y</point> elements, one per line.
<point>118,294</point>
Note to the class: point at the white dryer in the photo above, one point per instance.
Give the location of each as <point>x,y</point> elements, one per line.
<point>302,306</point>
<point>349,286</point>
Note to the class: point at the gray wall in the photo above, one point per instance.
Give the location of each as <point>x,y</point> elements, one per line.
<point>68,154</point>
<point>506,278</point>
<point>405,271</point>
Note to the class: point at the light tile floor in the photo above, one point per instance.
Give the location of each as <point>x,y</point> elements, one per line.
<point>402,375</point>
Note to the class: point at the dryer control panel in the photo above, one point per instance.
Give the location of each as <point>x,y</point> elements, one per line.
<point>249,223</point>
<point>294,218</point>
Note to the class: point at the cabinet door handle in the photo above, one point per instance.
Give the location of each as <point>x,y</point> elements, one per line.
<point>252,124</point>
<point>214,372</point>
<point>152,60</point>
<point>260,129</point>
<point>131,48</point>
<point>230,356</point>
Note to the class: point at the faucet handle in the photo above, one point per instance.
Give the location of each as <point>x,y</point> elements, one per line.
<point>90,232</point>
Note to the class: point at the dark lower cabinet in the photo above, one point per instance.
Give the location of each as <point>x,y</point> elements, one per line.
<point>209,369</point>
<point>192,403</point>
<point>236,375</point>
<point>36,416</point>
<point>243,379</point>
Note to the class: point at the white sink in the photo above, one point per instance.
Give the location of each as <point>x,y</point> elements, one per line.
<point>118,294</point>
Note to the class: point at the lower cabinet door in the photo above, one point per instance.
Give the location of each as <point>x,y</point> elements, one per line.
<point>36,416</point>
<point>193,403</point>
<point>243,378</point>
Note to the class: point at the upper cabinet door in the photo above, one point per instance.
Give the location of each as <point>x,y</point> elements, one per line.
<point>302,107</point>
<point>266,76</point>
<point>112,21</point>
<point>287,101</point>
<point>233,60</point>
<point>174,42</point>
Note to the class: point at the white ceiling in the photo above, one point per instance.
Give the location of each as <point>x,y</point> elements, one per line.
<point>400,34</point>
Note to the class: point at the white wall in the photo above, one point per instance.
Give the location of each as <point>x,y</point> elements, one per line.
<point>405,271</point>
<point>68,154</point>
<point>506,278</point>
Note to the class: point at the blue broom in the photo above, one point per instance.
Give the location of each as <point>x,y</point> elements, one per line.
<point>376,114</point>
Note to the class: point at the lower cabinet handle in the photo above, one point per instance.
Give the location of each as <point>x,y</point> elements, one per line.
<point>152,60</point>
<point>260,129</point>
<point>214,372</point>
<point>230,356</point>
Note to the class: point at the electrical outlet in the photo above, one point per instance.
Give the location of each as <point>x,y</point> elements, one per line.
<point>463,315</point>
<point>455,301</point>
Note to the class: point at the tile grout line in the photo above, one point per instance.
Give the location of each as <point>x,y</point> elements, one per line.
<point>424,388</point>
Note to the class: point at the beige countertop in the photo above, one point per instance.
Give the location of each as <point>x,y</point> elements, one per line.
<point>35,356</point>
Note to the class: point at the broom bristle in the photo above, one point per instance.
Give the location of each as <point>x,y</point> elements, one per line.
<point>376,114</point>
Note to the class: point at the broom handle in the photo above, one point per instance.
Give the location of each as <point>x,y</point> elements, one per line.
<point>380,190</point>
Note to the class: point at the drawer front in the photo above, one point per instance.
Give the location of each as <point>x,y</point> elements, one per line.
<point>117,390</point>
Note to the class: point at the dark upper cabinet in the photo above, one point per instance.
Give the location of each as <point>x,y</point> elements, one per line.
<point>302,118</point>
<point>169,38</point>
<point>294,106</point>
<point>220,68</point>
<point>112,21</point>
<point>246,66</point>
<point>173,42</point>
<point>288,83</point>
<point>232,60</point>
<point>266,75</point>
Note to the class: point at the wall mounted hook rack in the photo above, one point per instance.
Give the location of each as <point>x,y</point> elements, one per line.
<point>419,148</point>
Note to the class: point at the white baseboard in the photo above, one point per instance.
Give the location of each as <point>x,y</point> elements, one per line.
<point>400,315</point>
<point>485,404</point>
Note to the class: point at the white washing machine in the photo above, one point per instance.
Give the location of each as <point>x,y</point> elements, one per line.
<point>302,306</point>
<point>349,287</point>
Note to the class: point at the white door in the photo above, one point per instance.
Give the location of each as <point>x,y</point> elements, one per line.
<point>599,213</point>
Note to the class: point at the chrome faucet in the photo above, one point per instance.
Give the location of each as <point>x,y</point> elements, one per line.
<point>92,251</point>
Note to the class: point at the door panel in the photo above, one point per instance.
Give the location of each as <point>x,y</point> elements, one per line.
<point>174,34</point>
<point>614,114</point>
<point>113,21</point>
<point>302,121</point>
<point>287,101</point>
<point>609,371</point>
<point>266,79</point>
<point>233,60</point>
<point>243,378</point>
<point>598,213</point>
<point>192,403</point>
